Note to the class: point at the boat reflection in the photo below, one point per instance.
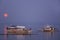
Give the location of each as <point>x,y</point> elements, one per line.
<point>48,35</point>
<point>20,37</point>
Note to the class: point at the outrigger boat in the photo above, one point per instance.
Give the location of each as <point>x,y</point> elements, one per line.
<point>48,28</point>
<point>18,30</point>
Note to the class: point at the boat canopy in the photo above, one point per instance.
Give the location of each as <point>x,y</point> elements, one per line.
<point>11,27</point>
<point>48,26</point>
<point>20,26</point>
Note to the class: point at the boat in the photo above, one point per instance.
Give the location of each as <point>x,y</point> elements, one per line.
<point>18,30</point>
<point>48,28</point>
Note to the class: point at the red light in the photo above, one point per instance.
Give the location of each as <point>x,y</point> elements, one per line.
<point>5,14</point>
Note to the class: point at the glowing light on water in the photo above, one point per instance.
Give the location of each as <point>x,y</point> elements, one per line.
<point>5,31</point>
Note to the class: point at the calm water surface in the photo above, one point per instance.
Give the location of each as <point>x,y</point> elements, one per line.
<point>35,36</point>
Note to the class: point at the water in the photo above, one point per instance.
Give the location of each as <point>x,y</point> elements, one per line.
<point>35,36</point>
<point>41,36</point>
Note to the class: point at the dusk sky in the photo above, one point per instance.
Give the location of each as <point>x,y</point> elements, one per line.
<point>30,11</point>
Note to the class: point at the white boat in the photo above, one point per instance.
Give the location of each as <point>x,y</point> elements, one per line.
<point>48,28</point>
<point>18,30</point>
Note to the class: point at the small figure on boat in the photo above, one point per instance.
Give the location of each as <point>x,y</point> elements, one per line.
<point>18,30</point>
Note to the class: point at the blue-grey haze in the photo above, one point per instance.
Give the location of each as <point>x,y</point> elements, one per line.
<point>27,12</point>
<point>30,11</point>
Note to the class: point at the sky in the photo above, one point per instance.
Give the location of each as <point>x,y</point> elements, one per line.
<point>30,11</point>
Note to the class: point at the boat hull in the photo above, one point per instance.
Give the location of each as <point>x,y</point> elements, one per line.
<point>21,32</point>
<point>48,30</point>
